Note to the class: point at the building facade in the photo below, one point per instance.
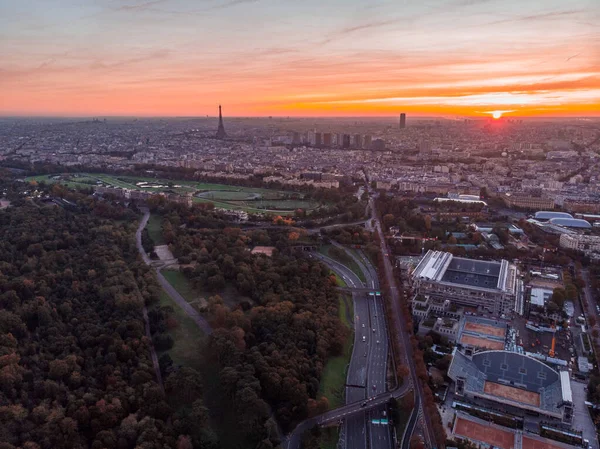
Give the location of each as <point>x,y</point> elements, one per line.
<point>585,243</point>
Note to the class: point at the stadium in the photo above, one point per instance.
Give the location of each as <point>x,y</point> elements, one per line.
<point>513,379</point>
<point>490,286</point>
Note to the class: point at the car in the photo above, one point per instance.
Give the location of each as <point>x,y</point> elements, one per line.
<point>364,404</point>
<point>373,329</point>
<point>374,387</point>
<point>377,341</point>
<point>363,325</point>
<point>364,338</point>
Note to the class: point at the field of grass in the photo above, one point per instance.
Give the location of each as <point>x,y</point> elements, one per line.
<point>251,210</point>
<point>334,373</point>
<point>249,199</point>
<point>329,437</point>
<point>189,339</point>
<point>340,282</point>
<point>185,288</point>
<point>154,227</point>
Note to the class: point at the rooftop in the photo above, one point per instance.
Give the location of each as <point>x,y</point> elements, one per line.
<point>571,223</point>
<point>444,267</point>
<point>547,215</point>
<point>514,370</point>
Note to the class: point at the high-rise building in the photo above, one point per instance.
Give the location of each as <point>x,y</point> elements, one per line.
<point>221,134</point>
<point>357,141</point>
<point>346,141</point>
<point>378,145</point>
<point>326,139</point>
<point>424,146</point>
<point>339,140</point>
<point>367,142</point>
<point>402,120</point>
<point>318,141</point>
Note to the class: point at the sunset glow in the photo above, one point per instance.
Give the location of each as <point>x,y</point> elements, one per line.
<point>269,57</point>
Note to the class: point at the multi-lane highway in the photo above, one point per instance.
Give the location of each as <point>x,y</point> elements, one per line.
<point>367,371</point>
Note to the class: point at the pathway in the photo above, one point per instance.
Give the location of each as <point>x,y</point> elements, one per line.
<point>174,294</point>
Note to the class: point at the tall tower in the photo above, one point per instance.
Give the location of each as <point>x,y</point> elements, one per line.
<point>221,134</point>
<point>402,120</point>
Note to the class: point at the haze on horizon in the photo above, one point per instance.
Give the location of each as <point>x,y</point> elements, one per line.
<point>282,57</point>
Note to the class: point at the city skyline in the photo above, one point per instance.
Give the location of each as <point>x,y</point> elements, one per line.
<point>264,58</point>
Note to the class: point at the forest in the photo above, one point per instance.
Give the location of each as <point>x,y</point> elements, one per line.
<point>269,350</point>
<point>75,362</point>
<point>75,367</point>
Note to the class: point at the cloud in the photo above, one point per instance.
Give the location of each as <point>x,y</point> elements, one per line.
<point>229,4</point>
<point>541,16</point>
<point>157,54</point>
<point>146,6</point>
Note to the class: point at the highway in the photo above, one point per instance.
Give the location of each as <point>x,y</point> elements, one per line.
<point>402,337</point>
<point>348,276</point>
<point>368,366</point>
<point>344,412</point>
<point>367,371</point>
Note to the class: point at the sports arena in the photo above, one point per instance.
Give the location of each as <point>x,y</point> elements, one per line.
<point>513,379</point>
<point>490,286</point>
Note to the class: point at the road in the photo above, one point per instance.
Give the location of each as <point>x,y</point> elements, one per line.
<point>379,435</point>
<point>367,370</point>
<point>145,309</point>
<point>175,296</point>
<point>402,336</point>
<point>588,298</point>
<point>355,429</point>
<point>347,275</point>
<point>365,266</point>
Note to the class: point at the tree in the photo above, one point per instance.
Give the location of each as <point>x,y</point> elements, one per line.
<point>558,297</point>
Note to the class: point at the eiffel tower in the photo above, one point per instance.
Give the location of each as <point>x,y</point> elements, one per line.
<point>221,134</point>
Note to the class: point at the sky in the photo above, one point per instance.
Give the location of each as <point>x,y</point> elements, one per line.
<point>299,57</point>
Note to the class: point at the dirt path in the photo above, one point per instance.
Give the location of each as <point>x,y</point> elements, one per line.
<point>174,294</point>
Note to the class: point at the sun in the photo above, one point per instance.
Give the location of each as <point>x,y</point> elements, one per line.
<point>496,114</point>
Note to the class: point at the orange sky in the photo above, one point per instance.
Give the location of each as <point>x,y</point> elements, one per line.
<point>279,57</point>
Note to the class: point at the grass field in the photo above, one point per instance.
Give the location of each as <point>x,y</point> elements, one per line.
<point>334,373</point>
<point>248,199</point>
<point>154,227</point>
<point>185,288</point>
<point>347,261</point>
<point>329,438</point>
<point>189,339</point>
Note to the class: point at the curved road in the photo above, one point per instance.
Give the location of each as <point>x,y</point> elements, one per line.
<point>341,270</point>
<point>343,412</point>
<point>367,371</point>
<point>175,296</point>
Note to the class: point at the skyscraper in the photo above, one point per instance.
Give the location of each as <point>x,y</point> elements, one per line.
<point>346,141</point>
<point>221,134</point>
<point>402,120</point>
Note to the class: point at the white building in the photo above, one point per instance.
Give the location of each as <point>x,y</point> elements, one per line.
<point>585,243</point>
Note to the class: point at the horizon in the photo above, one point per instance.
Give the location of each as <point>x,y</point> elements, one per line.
<point>391,118</point>
<point>168,58</point>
